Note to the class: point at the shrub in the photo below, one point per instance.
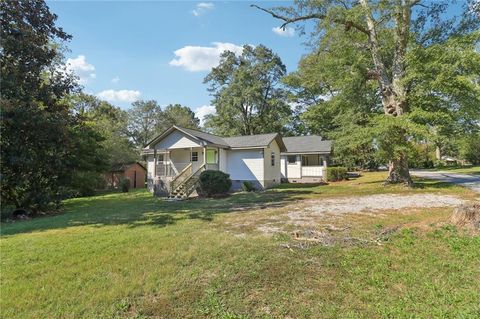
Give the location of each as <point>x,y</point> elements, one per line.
<point>124,184</point>
<point>335,174</point>
<point>214,183</point>
<point>248,187</point>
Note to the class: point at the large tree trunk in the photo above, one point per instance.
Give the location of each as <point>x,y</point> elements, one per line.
<point>398,172</point>
<point>393,92</point>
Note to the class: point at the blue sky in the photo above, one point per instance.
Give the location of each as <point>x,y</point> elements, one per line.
<point>163,50</point>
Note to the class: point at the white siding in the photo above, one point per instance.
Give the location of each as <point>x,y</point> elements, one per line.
<point>223,164</point>
<point>177,139</point>
<point>150,166</point>
<point>247,165</point>
<point>272,173</point>
<point>293,170</point>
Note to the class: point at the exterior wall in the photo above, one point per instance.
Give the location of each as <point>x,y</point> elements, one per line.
<point>223,164</point>
<point>246,165</point>
<point>177,139</point>
<point>297,173</point>
<point>136,174</point>
<point>292,170</point>
<point>137,180</point>
<point>272,174</point>
<point>150,166</point>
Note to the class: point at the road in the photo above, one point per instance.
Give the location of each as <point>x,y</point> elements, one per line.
<point>467,180</point>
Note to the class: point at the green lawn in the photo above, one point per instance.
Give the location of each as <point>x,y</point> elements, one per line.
<point>461,170</point>
<point>134,256</point>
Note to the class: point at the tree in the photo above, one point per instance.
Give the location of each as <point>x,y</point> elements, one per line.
<point>44,146</point>
<point>176,114</point>
<point>110,123</point>
<point>144,121</point>
<point>35,122</point>
<point>247,93</point>
<point>384,39</point>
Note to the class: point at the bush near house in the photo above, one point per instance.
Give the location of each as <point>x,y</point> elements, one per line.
<point>335,174</point>
<point>214,183</point>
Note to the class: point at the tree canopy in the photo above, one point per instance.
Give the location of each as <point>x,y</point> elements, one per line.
<point>384,74</point>
<point>248,95</point>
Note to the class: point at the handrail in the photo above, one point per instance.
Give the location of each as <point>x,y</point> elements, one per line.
<point>176,178</point>
<point>189,177</point>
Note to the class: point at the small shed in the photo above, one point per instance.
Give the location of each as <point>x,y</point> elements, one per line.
<point>135,172</point>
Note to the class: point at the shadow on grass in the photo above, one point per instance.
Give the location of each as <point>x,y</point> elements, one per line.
<point>140,208</point>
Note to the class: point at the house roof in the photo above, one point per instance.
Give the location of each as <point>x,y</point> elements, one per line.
<point>246,141</point>
<point>307,144</point>
<point>210,138</point>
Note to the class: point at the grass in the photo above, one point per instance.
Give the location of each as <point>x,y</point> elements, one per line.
<point>134,256</point>
<point>460,169</point>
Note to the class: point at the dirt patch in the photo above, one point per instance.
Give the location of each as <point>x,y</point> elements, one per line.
<point>467,215</point>
<point>369,205</point>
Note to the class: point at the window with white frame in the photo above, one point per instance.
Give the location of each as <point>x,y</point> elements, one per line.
<point>292,159</point>
<point>194,156</point>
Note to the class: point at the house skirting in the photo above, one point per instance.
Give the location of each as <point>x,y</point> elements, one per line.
<point>307,179</point>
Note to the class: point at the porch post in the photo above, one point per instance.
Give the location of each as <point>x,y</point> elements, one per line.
<point>154,163</point>
<point>325,168</point>
<point>205,156</point>
<point>167,165</point>
<point>301,160</point>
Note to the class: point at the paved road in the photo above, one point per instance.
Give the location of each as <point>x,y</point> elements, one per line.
<point>467,180</point>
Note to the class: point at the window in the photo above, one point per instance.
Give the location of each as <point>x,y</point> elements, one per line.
<point>291,159</point>
<point>211,157</point>
<point>194,156</point>
<point>160,158</point>
<point>272,158</point>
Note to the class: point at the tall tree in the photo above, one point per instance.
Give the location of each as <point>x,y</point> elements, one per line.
<point>247,93</point>
<point>176,114</point>
<point>381,35</point>
<point>110,123</point>
<point>35,123</point>
<point>144,121</point>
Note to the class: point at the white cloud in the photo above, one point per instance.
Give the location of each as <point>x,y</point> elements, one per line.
<point>195,58</point>
<point>80,67</point>
<point>115,79</point>
<point>120,95</point>
<point>288,32</point>
<point>202,8</point>
<point>204,110</point>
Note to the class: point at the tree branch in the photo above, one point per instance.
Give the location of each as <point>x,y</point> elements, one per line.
<point>319,16</point>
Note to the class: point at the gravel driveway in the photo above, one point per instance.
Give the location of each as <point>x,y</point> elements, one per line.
<point>466,180</point>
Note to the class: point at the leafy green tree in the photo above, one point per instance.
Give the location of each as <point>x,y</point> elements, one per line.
<point>43,144</point>
<point>247,93</point>
<point>144,122</point>
<point>110,123</point>
<point>470,148</point>
<point>147,119</point>
<point>176,114</point>
<point>389,47</point>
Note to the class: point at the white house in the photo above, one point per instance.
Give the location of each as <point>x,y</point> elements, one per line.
<point>176,157</point>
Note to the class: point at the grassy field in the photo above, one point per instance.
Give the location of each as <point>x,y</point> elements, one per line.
<point>461,170</point>
<point>134,256</point>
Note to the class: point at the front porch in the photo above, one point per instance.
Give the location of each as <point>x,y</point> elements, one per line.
<point>305,168</point>
<point>177,167</point>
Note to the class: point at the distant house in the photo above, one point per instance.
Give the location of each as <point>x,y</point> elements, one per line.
<point>135,172</point>
<point>176,157</point>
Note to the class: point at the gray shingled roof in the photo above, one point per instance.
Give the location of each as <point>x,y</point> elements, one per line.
<point>259,140</point>
<point>213,139</point>
<point>307,144</point>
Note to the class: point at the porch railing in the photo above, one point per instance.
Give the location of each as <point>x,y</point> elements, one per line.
<point>181,177</point>
<point>168,169</point>
<point>313,171</point>
<point>211,167</point>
